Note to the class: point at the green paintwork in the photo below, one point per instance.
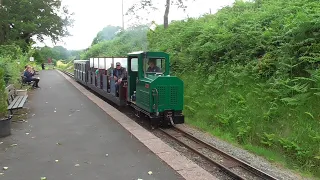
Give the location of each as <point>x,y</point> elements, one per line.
<point>170,88</point>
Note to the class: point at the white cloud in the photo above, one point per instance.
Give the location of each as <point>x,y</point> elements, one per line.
<point>91,16</point>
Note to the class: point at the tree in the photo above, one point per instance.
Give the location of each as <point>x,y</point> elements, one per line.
<point>60,53</point>
<point>107,33</point>
<point>23,19</point>
<point>144,4</point>
<point>42,54</point>
<point>75,54</point>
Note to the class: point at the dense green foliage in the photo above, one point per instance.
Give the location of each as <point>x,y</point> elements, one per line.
<point>12,61</point>
<point>23,19</point>
<point>20,22</point>
<point>133,39</point>
<point>251,76</point>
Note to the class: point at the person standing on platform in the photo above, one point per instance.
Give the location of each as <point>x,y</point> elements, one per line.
<point>42,65</point>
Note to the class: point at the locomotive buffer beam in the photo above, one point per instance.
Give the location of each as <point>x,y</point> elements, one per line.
<point>168,117</point>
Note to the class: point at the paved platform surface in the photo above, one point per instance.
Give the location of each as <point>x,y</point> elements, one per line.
<point>65,125</point>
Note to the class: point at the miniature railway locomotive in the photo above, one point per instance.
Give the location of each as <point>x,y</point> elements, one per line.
<point>147,85</point>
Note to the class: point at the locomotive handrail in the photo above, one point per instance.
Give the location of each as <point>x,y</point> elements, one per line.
<point>154,72</point>
<point>155,93</point>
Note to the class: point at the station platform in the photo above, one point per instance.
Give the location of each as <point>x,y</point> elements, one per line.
<point>65,125</point>
<point>71,134</point>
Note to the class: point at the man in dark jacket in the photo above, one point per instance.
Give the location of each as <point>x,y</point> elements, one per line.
<point>119,74</point>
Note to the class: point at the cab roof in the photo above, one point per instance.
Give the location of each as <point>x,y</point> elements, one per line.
<point>149,53</point>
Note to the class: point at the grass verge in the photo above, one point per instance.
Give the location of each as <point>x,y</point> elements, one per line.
<point>248,113</point>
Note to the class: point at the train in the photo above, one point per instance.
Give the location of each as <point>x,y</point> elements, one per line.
<point>146,85</point>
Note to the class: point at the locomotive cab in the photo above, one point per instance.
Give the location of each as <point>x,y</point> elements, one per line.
<point>138,63</point>
<point>152,90</point>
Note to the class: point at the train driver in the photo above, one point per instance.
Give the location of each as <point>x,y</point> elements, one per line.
<point>152,66</point>
<point>119,74</point>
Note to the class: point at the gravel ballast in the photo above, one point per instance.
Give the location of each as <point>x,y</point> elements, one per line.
<point>252,159</point>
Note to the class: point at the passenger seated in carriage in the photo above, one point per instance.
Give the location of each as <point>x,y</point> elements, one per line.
<point>119,74</point>
<point>109,75</point>
<point>152,66</point>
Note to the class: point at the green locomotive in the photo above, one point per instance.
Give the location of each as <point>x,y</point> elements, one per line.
<point>146,86</point>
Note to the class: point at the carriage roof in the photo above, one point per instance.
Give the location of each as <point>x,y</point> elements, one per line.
<point>80,61</point>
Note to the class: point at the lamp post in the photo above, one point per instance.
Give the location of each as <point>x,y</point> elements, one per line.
<point>122,16</point>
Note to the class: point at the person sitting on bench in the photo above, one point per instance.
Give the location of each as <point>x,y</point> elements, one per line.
<point>29,77</point>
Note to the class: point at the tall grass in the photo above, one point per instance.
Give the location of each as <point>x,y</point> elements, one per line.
<point>240,108</point>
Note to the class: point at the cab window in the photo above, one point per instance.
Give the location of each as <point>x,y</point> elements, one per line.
<point>134,64</point>
<point>154,65</point>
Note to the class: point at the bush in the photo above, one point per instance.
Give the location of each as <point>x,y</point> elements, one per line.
<point>251,74</point>
<point>3,96</point>
<point>12,60</point>
<point>69,66</point>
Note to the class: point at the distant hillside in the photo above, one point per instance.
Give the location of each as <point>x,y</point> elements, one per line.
<point>124,42</point>
<point>107,33</point>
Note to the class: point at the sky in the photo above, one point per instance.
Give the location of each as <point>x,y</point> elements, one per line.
<point>92,16</point>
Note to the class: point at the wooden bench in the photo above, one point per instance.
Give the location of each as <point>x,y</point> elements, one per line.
<point>14,102</point>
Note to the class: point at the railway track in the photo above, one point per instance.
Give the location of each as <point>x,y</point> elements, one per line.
<point>232,166</point>
<point>68,74</point>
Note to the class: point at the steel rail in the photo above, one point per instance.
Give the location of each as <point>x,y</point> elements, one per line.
<point>68,74</point>
<point>231,159</point>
